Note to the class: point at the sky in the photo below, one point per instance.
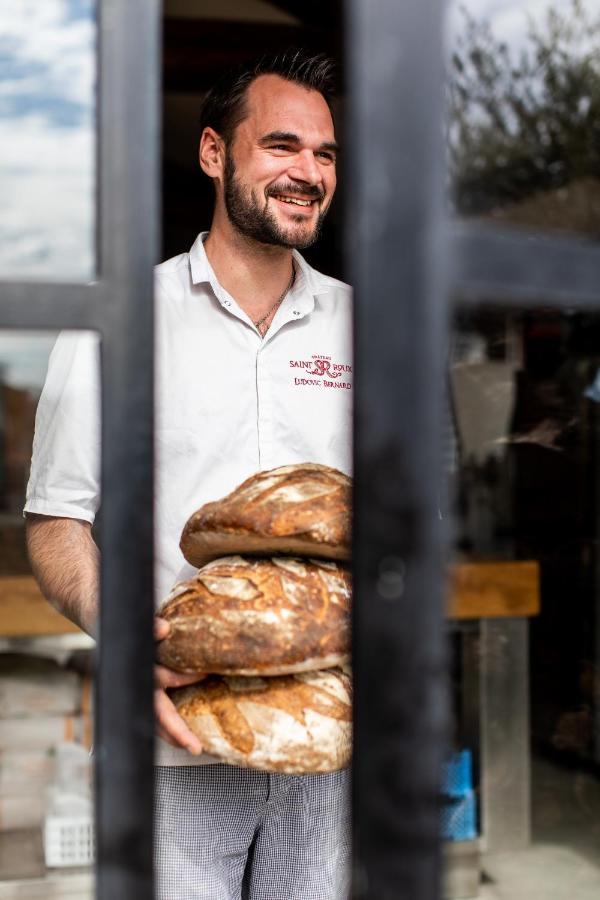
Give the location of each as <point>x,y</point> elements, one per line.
<point>509,18</point>
<point>47,143</point>
<point>47,177</point>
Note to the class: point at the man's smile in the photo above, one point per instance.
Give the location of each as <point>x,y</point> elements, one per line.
<point>284,198</point>
<point>299,203</point>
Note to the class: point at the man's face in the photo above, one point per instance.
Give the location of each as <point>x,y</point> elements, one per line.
<point>279,175</point>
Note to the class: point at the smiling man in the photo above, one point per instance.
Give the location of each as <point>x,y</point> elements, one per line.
<point>254,371</point>
<point>271,153</point>
<point>268,144</point>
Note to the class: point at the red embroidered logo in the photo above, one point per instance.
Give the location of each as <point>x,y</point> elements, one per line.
<point>321,366</point>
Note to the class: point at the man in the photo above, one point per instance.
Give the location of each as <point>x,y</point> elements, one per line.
<point>254,371</point>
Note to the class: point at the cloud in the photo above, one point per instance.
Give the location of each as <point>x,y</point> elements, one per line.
<point>47,145</point>
<point>509,19</point>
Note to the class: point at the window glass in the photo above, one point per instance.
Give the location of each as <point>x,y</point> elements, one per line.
<point>45,674</point>
<point>525,113</point>
<point>525,587</point>
<point>47,140</point>
<point>23,364</point>
<point>522,789</point>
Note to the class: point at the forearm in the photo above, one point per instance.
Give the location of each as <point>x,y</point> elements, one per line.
<point>66,561</point>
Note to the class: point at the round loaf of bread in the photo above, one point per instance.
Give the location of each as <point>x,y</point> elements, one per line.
<point>259,617</point>
<point>299,510</point>
<point>298,724</point>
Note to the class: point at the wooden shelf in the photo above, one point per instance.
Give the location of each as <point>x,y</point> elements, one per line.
<point>477,591</point>
<point>25,613</point>
<point>494,590</point>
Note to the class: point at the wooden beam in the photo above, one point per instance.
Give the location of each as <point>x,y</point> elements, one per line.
<point>24,612</point>
<point>477,591</point>
<point>494,590</point>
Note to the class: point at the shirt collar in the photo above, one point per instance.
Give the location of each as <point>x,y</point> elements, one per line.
<point>201,269</point>
<point>307,285</point>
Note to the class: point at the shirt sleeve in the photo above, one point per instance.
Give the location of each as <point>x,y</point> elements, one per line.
<point>65,467</point>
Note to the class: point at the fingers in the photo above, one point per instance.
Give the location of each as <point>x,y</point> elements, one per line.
<point>167,678</point>
<point>171,727</point>
<point>169,724</point>
<point>162,734</point>
<point>161,628</point>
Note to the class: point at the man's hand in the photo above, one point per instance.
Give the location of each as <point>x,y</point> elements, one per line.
<point>169,724</point>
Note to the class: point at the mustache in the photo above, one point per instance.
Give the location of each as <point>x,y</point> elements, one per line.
<point>306,190</point>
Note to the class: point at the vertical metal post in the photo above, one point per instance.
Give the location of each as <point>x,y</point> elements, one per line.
<point>394,224</point>
<point>505,735</point>
<point>129,92</point>
<point>595,506</point>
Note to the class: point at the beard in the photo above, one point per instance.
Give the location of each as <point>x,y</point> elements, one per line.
<point>258,222</point>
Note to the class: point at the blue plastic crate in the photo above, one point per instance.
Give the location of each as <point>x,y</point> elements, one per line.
<point>457,775</point>
<point>459,818</point>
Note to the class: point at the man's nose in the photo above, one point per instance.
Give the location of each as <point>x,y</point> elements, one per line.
<point>305,168</point>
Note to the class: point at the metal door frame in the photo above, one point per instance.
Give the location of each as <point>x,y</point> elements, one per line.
<point>406,262</point>
<point>119,305</point>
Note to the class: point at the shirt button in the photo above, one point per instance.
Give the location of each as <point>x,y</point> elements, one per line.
<point>227,302</point>
<point>296,312</point>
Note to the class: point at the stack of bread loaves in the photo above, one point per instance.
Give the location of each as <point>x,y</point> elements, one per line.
<point>267,614</point>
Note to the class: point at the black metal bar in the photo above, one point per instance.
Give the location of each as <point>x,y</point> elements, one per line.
<point>510,267</point>
<point>395,191</point>
<point>129,132</point>
<point>44,305</point>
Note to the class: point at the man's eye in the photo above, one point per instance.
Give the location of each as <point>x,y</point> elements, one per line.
<point>326,157</point>
<point>284,147</point>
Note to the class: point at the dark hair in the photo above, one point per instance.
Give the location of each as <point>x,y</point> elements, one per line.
<point>224,106</point>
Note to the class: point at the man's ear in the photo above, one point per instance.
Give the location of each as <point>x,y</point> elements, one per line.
<point>212,153</point>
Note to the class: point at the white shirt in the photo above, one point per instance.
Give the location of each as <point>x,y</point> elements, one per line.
<point>228,402</point>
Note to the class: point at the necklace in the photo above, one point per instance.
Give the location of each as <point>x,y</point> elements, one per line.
<point>278,302</point>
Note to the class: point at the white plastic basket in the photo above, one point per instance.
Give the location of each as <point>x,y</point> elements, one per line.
<point>68,840</point>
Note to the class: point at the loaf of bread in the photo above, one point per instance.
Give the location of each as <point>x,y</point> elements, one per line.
<point>259,617</point>
<point>298,510</point>
<point>298,724</point>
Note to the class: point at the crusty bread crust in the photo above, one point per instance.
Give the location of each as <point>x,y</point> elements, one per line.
<point>301,510</point>
<point>259,617</point>
<point>297,724</point>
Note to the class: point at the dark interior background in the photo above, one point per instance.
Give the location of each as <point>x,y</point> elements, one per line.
<point>202,39</point>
